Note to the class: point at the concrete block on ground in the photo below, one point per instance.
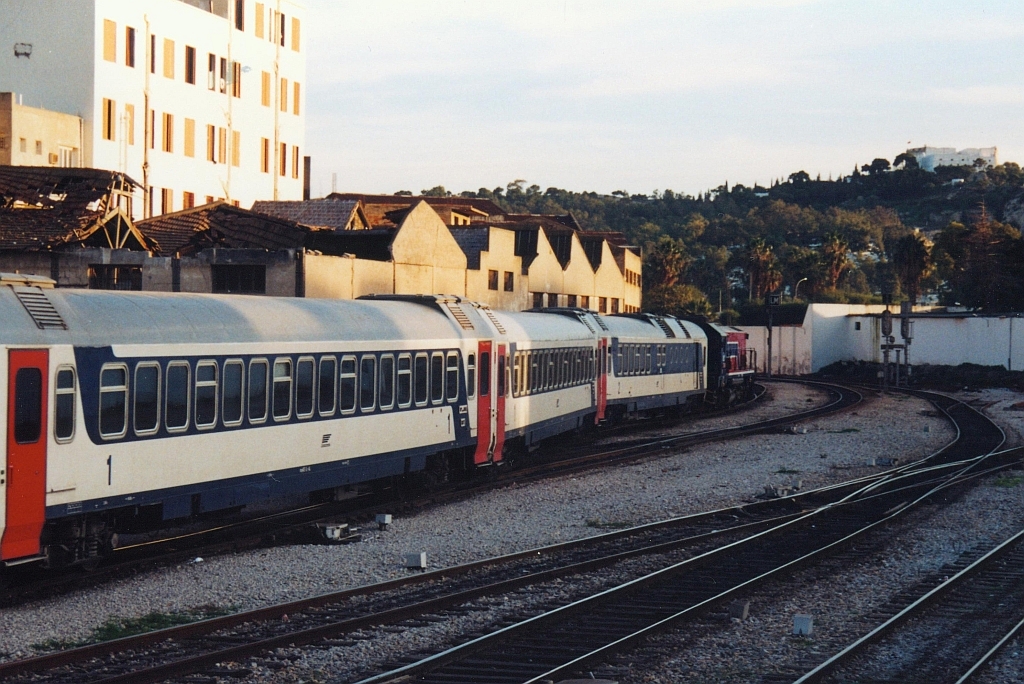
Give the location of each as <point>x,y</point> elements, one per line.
<point>803,624</point>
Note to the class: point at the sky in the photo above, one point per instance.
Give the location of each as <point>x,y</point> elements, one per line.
<point>644,96</point>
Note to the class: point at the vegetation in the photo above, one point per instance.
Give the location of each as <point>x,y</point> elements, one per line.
<point>885,229</point>
<point>118,628</point>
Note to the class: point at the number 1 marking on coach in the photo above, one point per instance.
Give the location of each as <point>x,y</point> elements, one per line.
<point>110,470</point>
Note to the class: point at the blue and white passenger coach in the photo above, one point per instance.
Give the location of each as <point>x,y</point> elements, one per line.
<point>128,409</point>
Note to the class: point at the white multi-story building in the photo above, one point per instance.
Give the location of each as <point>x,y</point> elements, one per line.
<point>197,100</point>
<point>931,157</point>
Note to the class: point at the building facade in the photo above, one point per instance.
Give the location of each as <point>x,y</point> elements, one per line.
<point>30,136</point>
<point>198,100</point>
<point>928,158</point>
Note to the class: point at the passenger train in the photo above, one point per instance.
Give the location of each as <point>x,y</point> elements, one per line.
<point>127,410</point>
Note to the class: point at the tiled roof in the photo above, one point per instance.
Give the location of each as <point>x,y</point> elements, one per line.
<point>320,213</point>
<point>220,224</point>
<point>377,207</point>
<point>472,241</point>
<point>43,207</point>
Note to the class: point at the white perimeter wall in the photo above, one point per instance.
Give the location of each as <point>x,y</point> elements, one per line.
<point>829,333</point>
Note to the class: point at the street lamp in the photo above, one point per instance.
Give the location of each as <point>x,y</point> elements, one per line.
<point>796,289</point>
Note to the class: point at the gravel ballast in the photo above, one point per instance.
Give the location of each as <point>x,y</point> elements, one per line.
<point>513,518</point>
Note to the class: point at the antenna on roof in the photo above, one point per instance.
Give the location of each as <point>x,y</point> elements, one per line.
<point>334,182</point>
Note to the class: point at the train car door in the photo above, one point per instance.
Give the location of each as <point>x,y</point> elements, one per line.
<point>602,379</point>
<point>26,453</point>
<point>485,413</point>
<point>499,402</point>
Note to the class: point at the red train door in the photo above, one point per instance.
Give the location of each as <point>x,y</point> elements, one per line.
<point>26,453</point>
<point>499,401</point>
<point>602,379</point>
<point>484,410</point>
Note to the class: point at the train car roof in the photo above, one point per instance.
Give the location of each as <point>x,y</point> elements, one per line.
<point>639,325</point>
<point>100,318</point>
<point>544,327</point>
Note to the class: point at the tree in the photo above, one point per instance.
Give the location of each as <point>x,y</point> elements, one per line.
<point>799,177</point>
<point>436,191</point>
<point>762,270</point>
<point>907,160</point>
<point>982,264</point>
<point>676,300</point>
<point>834,257</point>
<point>877,166</point>
<point>665,264</point>
<point>912,261</point>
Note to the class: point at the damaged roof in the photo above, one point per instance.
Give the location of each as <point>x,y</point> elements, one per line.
<point>327,214</point>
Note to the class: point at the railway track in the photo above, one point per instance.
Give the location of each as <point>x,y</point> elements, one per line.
<point>949,633</point>
<point>295,525</point>
<point>199,647</point>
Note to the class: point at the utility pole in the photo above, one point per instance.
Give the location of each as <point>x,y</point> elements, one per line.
<point>771,301</point>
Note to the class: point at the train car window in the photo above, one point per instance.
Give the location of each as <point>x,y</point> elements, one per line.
<point>328,385</point>
<point>367,382</point>
<point>146,398</point>
<point>387,382</point>
<point>419,379</point>
<point>437,377</point>
<point>176,396</point>
<point>485,374</point>
<point>64,405</point>
<point>566,369</point>
<point>452,376</point>
<point>258,376</point>
<point>348,384</point>
<point>647,358</point>
<point>637,359</point>
<point>534,372</point>
<point>502,386</point>
<point>304,376</point>
<point>206,394</point>
<point>405,380</point>
<point>113,400</point>
<point>234,377</point>
<point>282,389</point>
<point>471,375</point>
<point>28,404</point>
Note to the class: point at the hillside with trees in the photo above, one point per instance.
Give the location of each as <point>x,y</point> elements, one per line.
<point>952,235</point>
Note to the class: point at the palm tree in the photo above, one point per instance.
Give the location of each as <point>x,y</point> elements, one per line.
<point>834,255</point>
<point>762,269</point>
<point>913,261</point>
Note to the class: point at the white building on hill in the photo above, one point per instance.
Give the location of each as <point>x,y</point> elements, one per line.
<point>196,100</point>
<point>928,158</point>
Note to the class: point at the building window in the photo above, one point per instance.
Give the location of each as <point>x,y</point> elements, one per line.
<point>552,299</point>
<point>615,305</point>
<point>109,277</point>
<point>109,40</point>
<point>190,64</point>
<point>570,300</point>
<point>23,144</point>
<point>151,135</point>
<point>281,36</point>
<point>240,15</point>
<point>211,71</point>
<point>129,46</point>
<point>68,157</point>
<point>129,123</point>
<point>188,200</point>
<point>492,280</point>
<point>190,138</point>
<point>283,159</point>
<point>166,201</point>
<point>167,142</point>
<point>259,20</point>
<point>602,305</point>
<point>265,155</point>
<point>222,146</point>
<point>295,34</point>
<point>856,326</point>
<point>295,98</point>
<point>109,117</point>
<point>223,83</point>
<point>265,97</point>
<point>510,281</point>
<point>284,95</point>
<point>152,54</point>
<point>39,146</point>
<point>211,143</point>
<point>236,79</point>
<point>239,279</point>
<point>295,161</point>
<point>538,300</point>
<point>236,148</point>
<point>3,142</point>
<point>168,58</point>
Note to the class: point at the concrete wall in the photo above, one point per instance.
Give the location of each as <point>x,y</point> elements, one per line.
<point>791,348</point>
<point>499,257</point>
